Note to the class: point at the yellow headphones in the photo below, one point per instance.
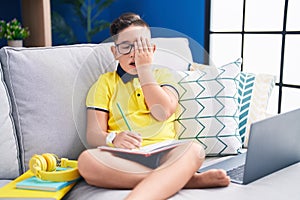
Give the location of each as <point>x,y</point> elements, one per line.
<point>44,167</point>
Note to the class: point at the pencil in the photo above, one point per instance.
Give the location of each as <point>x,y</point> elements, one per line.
<point>124,117</point>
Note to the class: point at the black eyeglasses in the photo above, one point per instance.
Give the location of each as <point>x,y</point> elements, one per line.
<point>124,48</point>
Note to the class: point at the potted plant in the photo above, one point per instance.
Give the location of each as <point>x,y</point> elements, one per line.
<point>13,32</point>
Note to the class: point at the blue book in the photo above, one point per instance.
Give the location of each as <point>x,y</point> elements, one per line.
<point>34,183</point>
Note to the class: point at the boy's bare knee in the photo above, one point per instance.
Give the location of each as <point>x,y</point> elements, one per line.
<point>83,163</point>
<point>88,169</point>
<point>199,150</point>
<point>196,152</point>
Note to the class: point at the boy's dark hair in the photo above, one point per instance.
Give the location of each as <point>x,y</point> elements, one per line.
<point>124,21</point>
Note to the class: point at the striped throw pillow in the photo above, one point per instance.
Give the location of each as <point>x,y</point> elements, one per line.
<point>254,93</point>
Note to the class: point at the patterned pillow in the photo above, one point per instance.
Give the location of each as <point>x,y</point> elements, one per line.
<point>254,93</point>
<point>209,110</point>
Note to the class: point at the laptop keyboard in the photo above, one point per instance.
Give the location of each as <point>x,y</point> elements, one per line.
<point>236,173</point>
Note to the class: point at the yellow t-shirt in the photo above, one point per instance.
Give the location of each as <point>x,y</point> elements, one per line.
<point>110,89</point>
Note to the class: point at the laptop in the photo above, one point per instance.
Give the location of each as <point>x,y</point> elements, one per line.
<point>274,143</point>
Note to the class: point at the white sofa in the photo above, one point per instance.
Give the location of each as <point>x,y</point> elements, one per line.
<point>42,109</point>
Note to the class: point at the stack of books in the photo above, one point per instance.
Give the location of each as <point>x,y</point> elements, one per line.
<point>29,186</point>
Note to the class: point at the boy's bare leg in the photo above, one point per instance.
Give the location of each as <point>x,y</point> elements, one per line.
<point>166,180</point>
<point>100,169</point>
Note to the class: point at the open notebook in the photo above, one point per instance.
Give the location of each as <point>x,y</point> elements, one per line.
<point>146,150</point>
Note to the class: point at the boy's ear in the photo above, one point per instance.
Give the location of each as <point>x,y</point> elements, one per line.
<point>114,51</point>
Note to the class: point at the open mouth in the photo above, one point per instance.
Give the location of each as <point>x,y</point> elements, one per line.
<point>132,64</point>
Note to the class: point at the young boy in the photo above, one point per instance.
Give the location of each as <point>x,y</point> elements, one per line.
<point>149,99</point>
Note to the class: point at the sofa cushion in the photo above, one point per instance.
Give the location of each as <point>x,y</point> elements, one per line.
<point>209,108</point>
<point>41,84</point>
<point>9,156</point>
<point>173,53</point>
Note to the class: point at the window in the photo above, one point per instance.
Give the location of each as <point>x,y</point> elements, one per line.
<point>266,34</point>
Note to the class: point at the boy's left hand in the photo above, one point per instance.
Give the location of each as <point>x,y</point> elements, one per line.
<point>143,52</point>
